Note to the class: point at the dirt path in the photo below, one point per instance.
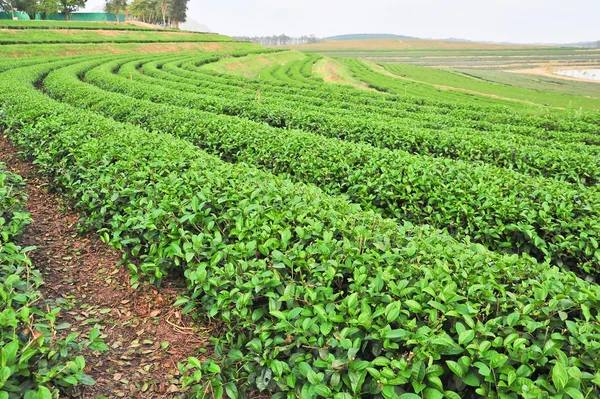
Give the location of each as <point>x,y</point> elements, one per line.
<point>145,334</point>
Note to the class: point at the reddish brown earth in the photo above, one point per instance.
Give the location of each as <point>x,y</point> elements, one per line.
<point>83,270</point>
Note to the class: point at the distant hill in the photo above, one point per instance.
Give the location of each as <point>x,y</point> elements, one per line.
<point>387,36</point>
<point>397,44</point>
<point>366,36</point>
<point>584,44</point>
<point>457,39</point>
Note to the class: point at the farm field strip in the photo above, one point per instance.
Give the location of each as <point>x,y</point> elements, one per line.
<point>453,79</point>
<point>193,71</point>
<point>535,82</point>
<point>285,86</point>
<point>471,58</point>
<point>445,193</point>
<point>8,64</point>
<point>273,90</point>
<point>474,56</point>
<point>337,279</point>
<point>475,62</point>
<point>380,81</point>
<point>203,85</point>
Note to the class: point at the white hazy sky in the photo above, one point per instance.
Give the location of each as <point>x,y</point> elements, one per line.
<point>524,21</point>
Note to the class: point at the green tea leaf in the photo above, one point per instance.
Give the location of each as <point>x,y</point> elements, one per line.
<point>560,377</point>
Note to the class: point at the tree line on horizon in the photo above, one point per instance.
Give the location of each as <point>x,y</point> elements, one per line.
<point>161,12</point>
<point>42,7</point>
<point>279,40</point>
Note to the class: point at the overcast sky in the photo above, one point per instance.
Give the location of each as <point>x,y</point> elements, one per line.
<point>520,21</point>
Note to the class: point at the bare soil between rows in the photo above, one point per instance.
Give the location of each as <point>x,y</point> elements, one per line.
<point>147,336</point>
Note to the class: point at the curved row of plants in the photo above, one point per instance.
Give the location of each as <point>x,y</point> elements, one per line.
<point>542,126</point>
<point>570,162</point>
<point>538,117</point>
<point>502,209</point>
<point>7,64</point>
<point>299,71</point>
<point>420,90</point>
<point>190,71</point>
<point>319,298</point>
<point>34,362</point>
<point>415,117</point>
<point>319,96</point>
<point>517,120</point>
<point>547,119</point>
<point>195,70</point>
<point>433,115</point>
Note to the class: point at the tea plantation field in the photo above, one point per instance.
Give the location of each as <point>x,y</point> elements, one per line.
<point>454,54</point>
<point>372,242</point>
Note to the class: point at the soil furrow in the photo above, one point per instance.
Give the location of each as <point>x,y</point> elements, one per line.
<point>146,335</point>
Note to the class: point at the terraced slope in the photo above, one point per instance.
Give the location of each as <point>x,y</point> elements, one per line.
<point>66,36</point>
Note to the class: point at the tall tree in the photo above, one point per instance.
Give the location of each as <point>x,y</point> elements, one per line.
<point>145,10</point>
<point>47,7</point>
<point>69,6</point>
<point>27,6</point>
<point>178,11</point>
<point>164,6</point>
<point>8,6</point>
<point>115,7</point>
